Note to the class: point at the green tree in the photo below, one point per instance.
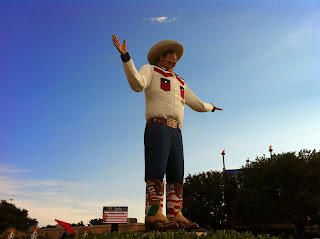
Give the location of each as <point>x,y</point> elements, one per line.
<point>281,189</point>
<point>77,224</point>
<point>312,201</point>
<point>11,216</point>
<point>96,221</point>
<point>209,198</point>
<point>49,226</point>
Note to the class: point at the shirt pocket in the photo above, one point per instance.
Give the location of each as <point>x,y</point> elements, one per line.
<point>182,92</point>
<point>165,84</point>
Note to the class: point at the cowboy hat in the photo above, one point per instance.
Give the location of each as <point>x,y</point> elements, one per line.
<point>163,46</point>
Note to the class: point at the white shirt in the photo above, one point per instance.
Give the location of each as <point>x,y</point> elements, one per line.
<point>165,93</point>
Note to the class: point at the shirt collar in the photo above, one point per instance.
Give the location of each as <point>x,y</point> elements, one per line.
<point>164,69</point>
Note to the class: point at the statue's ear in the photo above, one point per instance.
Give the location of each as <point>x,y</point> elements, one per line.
<point>161,57</point>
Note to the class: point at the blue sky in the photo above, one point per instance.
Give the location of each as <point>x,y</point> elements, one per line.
<point>72,129</point>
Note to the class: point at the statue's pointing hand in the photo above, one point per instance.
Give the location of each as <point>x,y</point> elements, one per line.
<point>216,108</point>
<point>121,48</point>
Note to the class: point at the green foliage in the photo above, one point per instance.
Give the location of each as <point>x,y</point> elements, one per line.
<point>11,216</point>
<point>283,189</point>
<point>77,224</point>
<point>49,226</point>
<point>180,235</point>
<point>96,221</point>
<point>277,190</point>
<point>208,198</point>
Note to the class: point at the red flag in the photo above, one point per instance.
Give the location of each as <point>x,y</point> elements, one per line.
<point>66,226</point>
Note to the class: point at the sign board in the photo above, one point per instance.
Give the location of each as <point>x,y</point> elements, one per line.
<point>115,214</point>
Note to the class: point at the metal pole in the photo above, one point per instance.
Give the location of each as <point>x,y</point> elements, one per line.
<point>270,150</point>
<point>114,227</point>
<point>223,153</point>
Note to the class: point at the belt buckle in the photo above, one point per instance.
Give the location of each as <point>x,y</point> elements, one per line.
<point>171,123</point>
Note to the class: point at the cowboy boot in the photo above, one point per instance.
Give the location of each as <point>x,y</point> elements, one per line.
<point>155,220</point>
<point>174,207</point>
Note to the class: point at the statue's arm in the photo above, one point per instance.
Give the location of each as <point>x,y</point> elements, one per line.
<point>137,80</point>
<point>196,104</point>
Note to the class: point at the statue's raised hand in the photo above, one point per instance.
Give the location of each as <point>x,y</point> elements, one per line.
<point>121,48</point>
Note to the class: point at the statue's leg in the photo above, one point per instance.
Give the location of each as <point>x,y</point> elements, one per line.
<point>174,189</point>
<point>154,219</point>
<point>174,192</point>
<point>157,147</point>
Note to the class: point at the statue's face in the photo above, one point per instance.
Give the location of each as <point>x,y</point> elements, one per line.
<point>169,61</point>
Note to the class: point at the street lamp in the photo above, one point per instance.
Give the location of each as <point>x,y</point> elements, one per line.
<point>223,153</point>
<point>270,150</point>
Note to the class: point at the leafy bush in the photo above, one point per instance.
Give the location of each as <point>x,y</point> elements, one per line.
<point>180,235</point>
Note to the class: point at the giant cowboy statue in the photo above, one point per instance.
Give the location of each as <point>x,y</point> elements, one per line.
<point>166,93</point>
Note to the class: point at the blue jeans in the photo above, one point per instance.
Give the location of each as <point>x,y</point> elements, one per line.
<point>163,153</point>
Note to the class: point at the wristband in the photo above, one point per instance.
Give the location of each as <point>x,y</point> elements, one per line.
<point>214,108</point>
<point>126,57</point>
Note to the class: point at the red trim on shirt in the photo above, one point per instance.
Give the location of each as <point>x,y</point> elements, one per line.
<point>165,74</point>
<point>179,79</point>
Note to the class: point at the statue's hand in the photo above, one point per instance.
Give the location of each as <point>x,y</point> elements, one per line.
<point>216,108</point>
<point>121,48</point>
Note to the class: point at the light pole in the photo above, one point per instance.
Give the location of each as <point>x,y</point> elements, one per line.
<point>270,150</point>
<point>223,153</point>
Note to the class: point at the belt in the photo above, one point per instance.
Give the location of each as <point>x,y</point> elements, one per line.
<point>169,122</point>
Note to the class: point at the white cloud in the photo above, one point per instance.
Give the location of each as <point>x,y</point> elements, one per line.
<point>9,169</point>
<point>73,202</point>
<point>161,19</point>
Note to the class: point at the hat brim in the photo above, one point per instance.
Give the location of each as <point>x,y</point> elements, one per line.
<point>162,47</point>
